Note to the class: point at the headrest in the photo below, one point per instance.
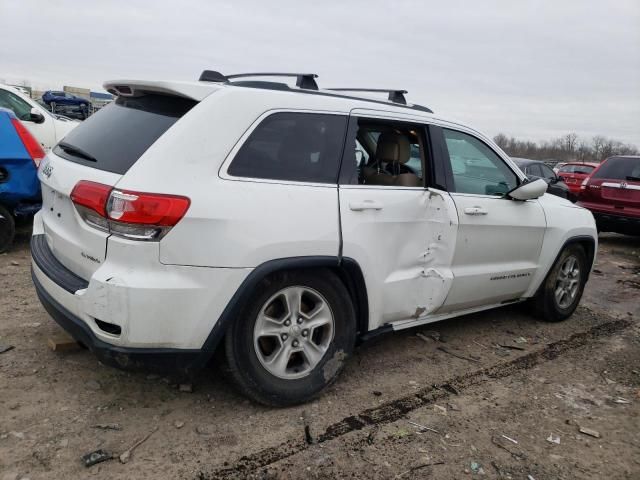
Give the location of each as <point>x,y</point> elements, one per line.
<point>393,147</point>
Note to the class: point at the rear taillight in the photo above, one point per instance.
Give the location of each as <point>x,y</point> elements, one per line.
<point>34,149</point>
<point>585,182</point>
<point>133,215</point>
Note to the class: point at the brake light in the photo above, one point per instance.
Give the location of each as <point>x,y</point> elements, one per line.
<point>34,149</point>
<point>146,208</point>
<point>133,215</point>
<point>585,182</point>
<point>91,195</point>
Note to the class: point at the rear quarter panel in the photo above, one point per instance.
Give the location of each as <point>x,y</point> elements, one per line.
<point>232,222</point>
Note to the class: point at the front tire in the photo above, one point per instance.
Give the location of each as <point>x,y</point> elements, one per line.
<point>562,290</point>
<point>292,337</point>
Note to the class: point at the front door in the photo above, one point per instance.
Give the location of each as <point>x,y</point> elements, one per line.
<point>499,240</point>
<point>400,233</point>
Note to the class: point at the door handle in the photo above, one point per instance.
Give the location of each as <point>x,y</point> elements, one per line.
<point>365,205</point>
<point>475,211</point>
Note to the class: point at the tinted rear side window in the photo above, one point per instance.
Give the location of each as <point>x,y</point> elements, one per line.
<point>303,147</point>
<point>116,137</point>
<point>620,168</point>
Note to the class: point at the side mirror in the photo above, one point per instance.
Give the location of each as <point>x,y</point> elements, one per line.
<point>560,178</point>
<point>36,116</point>
<point>529,190</point>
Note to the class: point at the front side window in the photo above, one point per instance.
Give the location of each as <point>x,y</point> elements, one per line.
<point>302,147</point>
<point>476,168</point>
<point>14,103</point>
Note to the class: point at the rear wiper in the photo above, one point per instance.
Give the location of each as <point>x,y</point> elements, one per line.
<point>75,151</point>
<point>632,178</point>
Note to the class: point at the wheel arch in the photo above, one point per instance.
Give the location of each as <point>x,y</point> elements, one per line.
<point>587,242</point>
<point>346,269</point>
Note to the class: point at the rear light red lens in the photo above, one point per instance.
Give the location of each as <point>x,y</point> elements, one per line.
<point>132,215</point>
<point>146,208</point>
<point>91,195</point>
<point>30,143</point>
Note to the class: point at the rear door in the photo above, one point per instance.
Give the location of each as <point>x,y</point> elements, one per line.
<point>400,232</point>
<point>499,240</point>
<point>100,150</point>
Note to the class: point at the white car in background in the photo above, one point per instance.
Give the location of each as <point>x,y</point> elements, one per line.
<point>46,127</point>
<point>286,224</point>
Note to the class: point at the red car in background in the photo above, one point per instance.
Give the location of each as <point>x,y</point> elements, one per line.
<point>612,193</point>
<point>573,173</point>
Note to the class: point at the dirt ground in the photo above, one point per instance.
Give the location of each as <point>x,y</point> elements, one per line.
<point>405,407</point>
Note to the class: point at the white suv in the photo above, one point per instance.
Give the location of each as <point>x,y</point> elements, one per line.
<point>286,223</point>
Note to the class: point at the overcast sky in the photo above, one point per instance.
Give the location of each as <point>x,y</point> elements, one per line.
<point>532,69</point>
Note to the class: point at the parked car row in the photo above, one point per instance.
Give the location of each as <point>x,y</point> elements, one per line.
<point>610,190</point>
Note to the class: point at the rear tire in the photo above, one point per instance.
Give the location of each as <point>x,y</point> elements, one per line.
<point>292,338</point>
<point>7,229</point>
<point>562,290</point>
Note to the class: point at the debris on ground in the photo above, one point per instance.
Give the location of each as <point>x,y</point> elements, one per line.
<point>418,467</point>
<point>107,426</point>
<point>186,387</point>
<point>61,342</point>
<point>622,401</point>
<point>553,439</point>
<point>476,468</point>
<point>178,424</point>
<point>590,432</point>
<point>457,355</point>
<point>521,340</point>
<point>439,409</point>
<point>126,455</point>
<point>93,385</point>
<point>377,393</point>
<point>511,347</point>
<point>95,457</point>
<point>6,348</point>
<point>429,335</point>
<point>510,439</point>
<point>422,427</point>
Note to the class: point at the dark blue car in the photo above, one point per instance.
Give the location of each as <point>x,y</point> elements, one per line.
<point>20,155</point>
<point>59,100</point>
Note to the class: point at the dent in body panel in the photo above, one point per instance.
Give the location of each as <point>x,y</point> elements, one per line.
<point>431,270</point>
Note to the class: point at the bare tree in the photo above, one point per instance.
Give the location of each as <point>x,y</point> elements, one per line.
<point>566,148</point>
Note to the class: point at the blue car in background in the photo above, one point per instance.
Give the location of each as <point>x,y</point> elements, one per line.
<point>20,156</point>
<point>58,100</point>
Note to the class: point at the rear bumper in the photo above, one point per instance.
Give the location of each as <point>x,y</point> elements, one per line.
<point>167,318</point>
<point>612,222</point>
<point>148,359</point>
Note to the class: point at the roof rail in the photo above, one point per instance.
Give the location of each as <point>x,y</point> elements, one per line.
<point>395,96</point>
<point>303,80</point>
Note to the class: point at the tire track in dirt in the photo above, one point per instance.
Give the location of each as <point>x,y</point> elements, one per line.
<point>397,409</point>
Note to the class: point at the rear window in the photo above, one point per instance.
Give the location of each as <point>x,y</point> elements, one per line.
<point>583,169</point>
<point>620,168</point>
<point>303,147</point>
<point>116,137</point>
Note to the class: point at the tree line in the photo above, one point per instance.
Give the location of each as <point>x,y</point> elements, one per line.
<point>569,147</point>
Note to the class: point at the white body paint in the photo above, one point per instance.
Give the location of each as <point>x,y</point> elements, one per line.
<point>423,258</point>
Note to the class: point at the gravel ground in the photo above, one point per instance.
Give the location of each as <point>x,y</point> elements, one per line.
<point>581,373</point>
